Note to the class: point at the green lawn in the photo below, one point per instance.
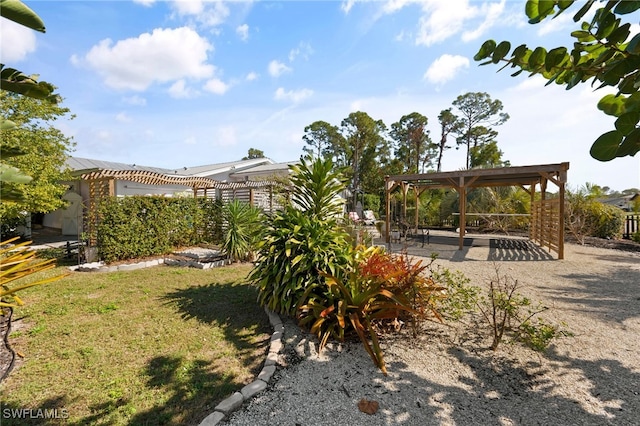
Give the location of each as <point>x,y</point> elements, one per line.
<point>155,346</point>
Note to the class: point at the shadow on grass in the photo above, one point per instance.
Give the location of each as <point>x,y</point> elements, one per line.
<point>231,306</point>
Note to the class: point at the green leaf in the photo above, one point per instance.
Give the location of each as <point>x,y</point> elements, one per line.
<point>627,6</point>
<point>605,148</point>
<point>583,36</point>
<point>583,10</point>
<point>634,45</point>
<point>612,105</point>
<point>10,174</point>
<point>555,57</point>
<point>17,11</point>
<point>6,125</point>
<point>630,145</point>
<point>620,34</point>
<point>537,10</point>
<point>606,24</point>
<point>501,51</point>
<point>485,51</point>
<point>537,58</point>
<point>626,123</point>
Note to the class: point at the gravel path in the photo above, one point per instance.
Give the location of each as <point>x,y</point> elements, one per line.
<point>447,376</point>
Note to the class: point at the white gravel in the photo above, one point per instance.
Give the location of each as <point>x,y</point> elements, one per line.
<point>448,376</point>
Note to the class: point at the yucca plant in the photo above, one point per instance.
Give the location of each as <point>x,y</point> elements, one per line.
<point>16,262</point>
<point>240,230</point>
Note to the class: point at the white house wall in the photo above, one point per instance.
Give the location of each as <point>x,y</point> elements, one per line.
<point>124,188</point>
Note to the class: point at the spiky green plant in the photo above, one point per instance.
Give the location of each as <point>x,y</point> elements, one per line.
<point>241,229</point>
<point>302,239</point>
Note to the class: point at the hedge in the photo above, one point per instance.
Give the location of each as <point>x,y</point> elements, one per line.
<point>139,226</point>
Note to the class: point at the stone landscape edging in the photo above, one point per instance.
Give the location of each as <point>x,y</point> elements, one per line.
<point>235,401</point>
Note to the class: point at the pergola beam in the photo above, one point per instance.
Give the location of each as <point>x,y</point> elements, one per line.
<point>464,180</point>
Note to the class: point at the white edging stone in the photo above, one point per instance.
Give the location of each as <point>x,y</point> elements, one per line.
<point>230,404</point>
<point>253,388</point>
<point>212,419</point>
<point>268,370</point>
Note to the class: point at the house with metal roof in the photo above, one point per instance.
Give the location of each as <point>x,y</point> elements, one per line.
<point>245,180</point>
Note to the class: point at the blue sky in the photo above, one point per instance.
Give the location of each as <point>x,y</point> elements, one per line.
<point>186,83</point>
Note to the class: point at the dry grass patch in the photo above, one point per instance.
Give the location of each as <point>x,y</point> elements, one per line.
<point>160,345</point>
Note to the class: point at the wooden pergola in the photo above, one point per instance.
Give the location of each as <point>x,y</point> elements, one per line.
<point>547,216</point>
<point>101,184</point>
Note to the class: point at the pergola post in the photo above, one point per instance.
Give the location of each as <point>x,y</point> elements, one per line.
<point>462,194</point>
<point>562,181</point>
<point>387,225</point>
<point>415,191</point>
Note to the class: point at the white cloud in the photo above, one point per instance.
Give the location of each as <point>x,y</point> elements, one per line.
<point>243,32</point>
<point>294,96</point>
<point>209,13</point>
<point>191,140</point>
<point>443,19</point>
<point>252,76</point>
<point>123,117</point>
<point>277,68</point>
<point>560,23</point>
<point>145,2</point>
<point>135,100</point>
<point>16,41</point>
<point>216,86</point>
<point>347,5</point>
<point>304,50</point>
<point>179,90</point>
<point>226,136</point>
<point>492,13</point>
<point>191,7</point>
<point>392,6</point>
<point>162,56</point>
<point>445,68</point>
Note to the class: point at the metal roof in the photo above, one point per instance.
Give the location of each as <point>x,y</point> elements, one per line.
<point>473,178</point>
<point>82,165</point>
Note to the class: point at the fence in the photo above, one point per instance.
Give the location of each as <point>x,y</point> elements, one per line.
<point>631,226</point>
<point>545,225</point>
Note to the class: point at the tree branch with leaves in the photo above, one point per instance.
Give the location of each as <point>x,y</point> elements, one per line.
<point>605,52</point>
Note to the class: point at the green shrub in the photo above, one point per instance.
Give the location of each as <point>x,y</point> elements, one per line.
<point>379,289</point>
<point>241,229</point>
<point>139,226</point>
<point>636,236</point>
<point>608,220</point>
<point>584,216</point>
<point>302,240</point>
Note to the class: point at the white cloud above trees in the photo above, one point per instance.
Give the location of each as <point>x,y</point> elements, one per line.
<point>162,56</point>
<point>445,68</point>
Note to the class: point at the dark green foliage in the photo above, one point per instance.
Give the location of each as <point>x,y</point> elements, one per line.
<point>295,248</point>
<point>608,220</point>
<point>241,229</point>
<point>303,240</point>
<point>584,216</point>
<point>139,226</point>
